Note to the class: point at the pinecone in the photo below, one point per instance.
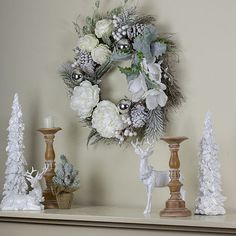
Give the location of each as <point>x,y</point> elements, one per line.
<point>135,30</point>
<point>138,115</point>
<point>86,63</point>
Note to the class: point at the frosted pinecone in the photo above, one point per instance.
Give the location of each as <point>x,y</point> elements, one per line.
<point>138,115</point>
<point>86,63</point>
<point>135,30</point>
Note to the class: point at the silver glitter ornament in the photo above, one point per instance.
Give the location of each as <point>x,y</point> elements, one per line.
<point>123,44</point>
<point>77,75</point>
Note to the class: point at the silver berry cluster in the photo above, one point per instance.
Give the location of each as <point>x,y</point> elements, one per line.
<point>128,131</point>
<point>120,29</point>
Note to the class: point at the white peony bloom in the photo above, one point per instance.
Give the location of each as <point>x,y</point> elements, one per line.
<point>87,42</point>
<point>101,54</point>
<point>106,119</point>
<point>103,28</point>
<point>85,97</point>
<point>154,98</point>
<point>152,69</point>
<point>137,87</point>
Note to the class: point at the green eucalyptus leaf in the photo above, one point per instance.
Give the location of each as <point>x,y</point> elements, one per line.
<point>88,20</point>
<point>97,3</point>
<point>85,30</point>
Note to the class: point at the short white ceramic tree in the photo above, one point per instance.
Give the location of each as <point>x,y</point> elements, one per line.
<point>15,190</point>
<point>210,200</point>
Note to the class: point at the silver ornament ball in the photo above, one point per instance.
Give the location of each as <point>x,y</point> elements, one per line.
<point>124,106</point>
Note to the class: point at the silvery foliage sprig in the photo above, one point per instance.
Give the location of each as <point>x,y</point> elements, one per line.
<point>66,175</point>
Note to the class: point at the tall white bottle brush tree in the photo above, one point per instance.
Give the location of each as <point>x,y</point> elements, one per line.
<point>15,182</point>
<point>210,200</point>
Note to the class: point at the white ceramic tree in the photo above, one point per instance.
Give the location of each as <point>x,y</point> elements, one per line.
<point>15,196</point>
<point>210,200</point>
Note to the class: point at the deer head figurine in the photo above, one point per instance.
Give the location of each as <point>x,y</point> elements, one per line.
<point>36,193</point>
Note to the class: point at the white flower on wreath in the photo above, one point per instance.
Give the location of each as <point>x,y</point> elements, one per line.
<point>155,97</point>
<point>137,87</point>
<point>103,28</point>
<point>152,69</point>
<point>101,54</point>
<point>106,119</point>
<point>87,43</point>
<point>85,97</point>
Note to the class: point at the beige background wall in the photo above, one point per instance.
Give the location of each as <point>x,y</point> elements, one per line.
<point>37,36</point>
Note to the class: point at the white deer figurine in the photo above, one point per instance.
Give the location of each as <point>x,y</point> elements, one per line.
<point>32,200</point>
<point>150,177</point>
<point>36,193</point>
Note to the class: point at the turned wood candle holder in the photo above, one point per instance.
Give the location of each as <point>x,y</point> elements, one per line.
<point>50,201</point>
<point>175,205</point>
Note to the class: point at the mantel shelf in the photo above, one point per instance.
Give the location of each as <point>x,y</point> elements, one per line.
<point>130,218</point>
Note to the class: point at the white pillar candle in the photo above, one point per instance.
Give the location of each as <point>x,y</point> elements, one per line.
<point>48,122</point>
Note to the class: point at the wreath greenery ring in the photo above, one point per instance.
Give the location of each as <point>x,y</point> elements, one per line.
<point>105,40</point>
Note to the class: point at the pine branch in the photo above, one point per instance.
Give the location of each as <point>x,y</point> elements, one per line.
<point>95,138</point>
<point>155,124</point>
<point>66,72</point>
<point>92,133</point>
<point>116,11</point>
<point>175,97</point>
<point>77,27</point>
<point>103,69</point>
<point>148,19</point>
<point>166,40</point>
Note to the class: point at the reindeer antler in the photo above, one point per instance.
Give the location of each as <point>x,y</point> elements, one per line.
<point>29,174</point>
<point>150,143</point>
<point>45,168</point>
<point>143,152</point>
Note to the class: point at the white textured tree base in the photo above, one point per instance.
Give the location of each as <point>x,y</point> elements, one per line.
<point>20,203</point>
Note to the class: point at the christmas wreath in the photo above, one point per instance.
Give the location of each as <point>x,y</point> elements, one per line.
<point>103,42</point>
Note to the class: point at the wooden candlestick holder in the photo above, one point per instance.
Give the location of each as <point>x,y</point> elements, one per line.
<point>50,201</point>
<point>175,205</point>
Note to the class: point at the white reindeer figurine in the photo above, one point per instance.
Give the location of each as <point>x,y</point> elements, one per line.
<point>36,193</point>
<point>150,177</point>
<point>31,201</point>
